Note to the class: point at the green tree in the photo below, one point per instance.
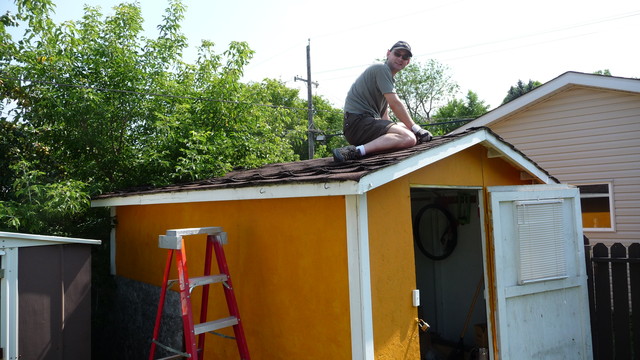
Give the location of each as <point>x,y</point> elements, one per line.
<point>96,106</point>
<point>424,87</point>
<point>520,89</point>
<point>457,112</point>
<point>91,106</point>
<point>328,124</point>
<point>604,72</point>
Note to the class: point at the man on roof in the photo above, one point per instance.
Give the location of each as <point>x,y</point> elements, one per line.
<point>367,125</point>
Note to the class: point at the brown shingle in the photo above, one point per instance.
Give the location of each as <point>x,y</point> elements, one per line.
<point>305,171</point>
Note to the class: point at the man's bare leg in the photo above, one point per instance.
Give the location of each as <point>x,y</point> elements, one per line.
<point>398,137</point>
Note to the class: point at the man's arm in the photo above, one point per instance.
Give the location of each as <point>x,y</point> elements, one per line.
<point>399,109</point>
<point>402,114</point>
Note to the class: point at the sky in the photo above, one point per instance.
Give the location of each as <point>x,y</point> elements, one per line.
<point>486,46</point>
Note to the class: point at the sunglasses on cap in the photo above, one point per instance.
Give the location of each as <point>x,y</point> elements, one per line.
<point>399,54</point>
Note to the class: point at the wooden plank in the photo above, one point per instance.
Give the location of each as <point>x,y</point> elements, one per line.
<point>604,344</point>
<point>211,230</point>
<point>620,303</point>
<point>634,278</point>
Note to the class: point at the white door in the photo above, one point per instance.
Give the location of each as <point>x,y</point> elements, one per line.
<point>540,274</point>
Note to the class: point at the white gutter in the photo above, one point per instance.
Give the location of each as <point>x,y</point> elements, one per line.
<point>245,193</point>
<point>13,240</point>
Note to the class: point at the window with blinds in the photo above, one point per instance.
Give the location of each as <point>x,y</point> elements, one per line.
<point>540,229</point>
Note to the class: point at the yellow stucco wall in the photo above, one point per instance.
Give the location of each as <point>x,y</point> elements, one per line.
<point>391,243</point>
<point>288,262</point>
<point>392,272</point>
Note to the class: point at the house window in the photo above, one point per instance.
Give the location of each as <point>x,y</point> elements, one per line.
<point>597,211</point>
<point>541,241</point>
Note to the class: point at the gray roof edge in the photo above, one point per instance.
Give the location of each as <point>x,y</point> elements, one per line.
<point>570,78</point>
<point>11,239</point>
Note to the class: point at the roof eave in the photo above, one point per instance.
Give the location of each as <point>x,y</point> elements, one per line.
<point>293,190</point>
<point>486,138</point>
<point>336,188</point>
<point>550,88</point>
<point>419,161</point>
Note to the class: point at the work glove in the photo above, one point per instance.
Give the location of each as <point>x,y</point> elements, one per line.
<point>421,134</point>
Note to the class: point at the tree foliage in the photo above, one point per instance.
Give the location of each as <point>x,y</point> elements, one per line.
<point>328,128</point>
<point>95,106</point>
<point>520,89</point>
<point>457,112</point>
<point>604,72</point>
<point>423,87</point>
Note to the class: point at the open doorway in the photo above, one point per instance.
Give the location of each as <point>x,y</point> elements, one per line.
<point>450,272</point>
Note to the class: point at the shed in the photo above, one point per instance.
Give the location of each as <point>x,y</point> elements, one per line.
<point>45,296</point>
<point>585,130</point>
<point>325,265</point>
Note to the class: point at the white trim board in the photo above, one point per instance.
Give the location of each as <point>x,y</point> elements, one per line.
<point>11,240</point>
<point>361,310</point>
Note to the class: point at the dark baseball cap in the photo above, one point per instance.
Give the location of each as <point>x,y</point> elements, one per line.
<point>403,45</point>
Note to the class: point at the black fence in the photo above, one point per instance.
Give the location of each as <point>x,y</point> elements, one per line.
<point>614,297</point>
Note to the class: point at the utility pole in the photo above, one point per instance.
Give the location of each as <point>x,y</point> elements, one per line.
<point>310,130</point>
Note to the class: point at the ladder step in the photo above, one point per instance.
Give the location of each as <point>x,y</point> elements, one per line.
<point>202,280</point>
<point>215,325</point>
<point>205,280</point>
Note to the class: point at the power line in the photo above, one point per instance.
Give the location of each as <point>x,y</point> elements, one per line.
<point>343,31</point>
<point>153,94</point>
<point>388,20</point>
<point>573,26</point>
<point>516,47</point>
<point>555,30</point>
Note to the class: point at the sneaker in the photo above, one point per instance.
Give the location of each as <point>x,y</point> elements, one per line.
<point>346,153</point>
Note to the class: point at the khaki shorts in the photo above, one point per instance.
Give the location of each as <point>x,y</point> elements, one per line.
<point>360,129</point>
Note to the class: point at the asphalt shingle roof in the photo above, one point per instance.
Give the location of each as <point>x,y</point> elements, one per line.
<point>304,171</point>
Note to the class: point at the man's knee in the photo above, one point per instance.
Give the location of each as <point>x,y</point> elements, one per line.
<point>409,140</point>
<point>405,136</point>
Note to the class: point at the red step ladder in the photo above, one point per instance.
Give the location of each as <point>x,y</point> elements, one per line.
<point>174,242</point>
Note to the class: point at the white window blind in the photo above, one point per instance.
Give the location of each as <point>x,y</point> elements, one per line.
<point>541,241</point>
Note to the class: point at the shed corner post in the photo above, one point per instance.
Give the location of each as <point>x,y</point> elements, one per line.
<point>9,303</point>
<point>361,315</point>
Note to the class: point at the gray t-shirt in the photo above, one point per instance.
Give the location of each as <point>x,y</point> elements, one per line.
<point>366,95</point>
